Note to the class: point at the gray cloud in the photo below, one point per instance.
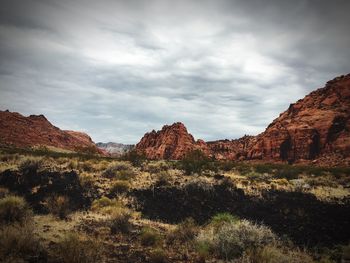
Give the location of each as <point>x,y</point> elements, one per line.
<point>117,69</point>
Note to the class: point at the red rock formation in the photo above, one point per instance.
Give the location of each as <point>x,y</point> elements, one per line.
<point>171,142</point>
<point>35,130</point>
<point>231,149</point>
<point>314,127</point>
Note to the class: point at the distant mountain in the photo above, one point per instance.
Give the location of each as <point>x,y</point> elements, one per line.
<point>114,148</point>
<point>314,128</point>
<point>35,130</point>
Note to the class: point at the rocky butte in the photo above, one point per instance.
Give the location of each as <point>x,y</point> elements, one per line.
<point>316,128</point>
<point>35,130</point>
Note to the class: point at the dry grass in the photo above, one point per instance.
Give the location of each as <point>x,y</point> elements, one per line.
<point>14,209</point>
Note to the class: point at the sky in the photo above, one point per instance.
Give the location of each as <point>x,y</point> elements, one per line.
<point>118,69</point>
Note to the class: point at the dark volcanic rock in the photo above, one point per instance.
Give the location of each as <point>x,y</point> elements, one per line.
<point>37,187</point>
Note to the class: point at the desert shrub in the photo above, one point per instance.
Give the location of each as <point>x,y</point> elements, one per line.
<point>339,171</point>
<point>119,170</point>
<point>163,178</point>
<point>194,162</point>
<point>184,232</point>
<point>19,244</point>
<point>243,168</point>
<point>265,168</point>
<point>254,176</point>
<point>156,166</point>
<point>282,181</point>
<point>106,205</point>
<point>288,172</point>
<point>30,165</point>
<point>58,205</point>
<point>119,221</point>
<point>232,239</point>
<point>86,166</point>
<point>73,164</point>
<point>14,209</point>
<point>273,254</point>
<point>220,219</point>
<point>158,256</point>
<point>134,157</point>
<point>3,192</point>
<point>226,165</point>
<point>149,236</point>
<point>86,180</point>
<point>120,187</point>
<point>75,249</point>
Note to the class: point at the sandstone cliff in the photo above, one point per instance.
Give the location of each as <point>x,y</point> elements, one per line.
<point>20,131</point>
<point>316,127</point>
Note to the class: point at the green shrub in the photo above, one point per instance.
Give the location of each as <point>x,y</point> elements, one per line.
<point>149,236</point>
<point>232,239</point>
<point>119,170</point>
<point>158,256</point>
<point>19,244</point>
<point>184,232</point>
<point>288,172</point>
<point>273,254</point>
<point>30,165</point>
<point>134,157</point>
<point>74,249</point>
<point>119,221</point>
<point>106,205</point>
<point>58,205</point>
<point>243,168</point>
<point>120,187</point>
<point>220,219</point>
<point>156,167</point>
<point>14,209</point>
<point>194,162</point>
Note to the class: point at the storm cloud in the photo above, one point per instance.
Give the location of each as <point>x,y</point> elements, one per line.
<point>117,69</point>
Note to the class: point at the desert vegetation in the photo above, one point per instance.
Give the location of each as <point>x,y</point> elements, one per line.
<point>62,207</point>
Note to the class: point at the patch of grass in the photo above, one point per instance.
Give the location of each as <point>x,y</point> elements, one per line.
<point>106,205</point>
<point>163,178</point>
<point>14,209</point>
<point>158,256</point>
<point>120,171</point>
<point>149,236</point>
<point>119,221</point>
<point>220,219</point>
<point>273,254</point>
<point>119,187</point>
<point>30,165</point>
<point>58,205</point>
<point>184,232</point>
<point>19,244</point>
<point>73,248</point>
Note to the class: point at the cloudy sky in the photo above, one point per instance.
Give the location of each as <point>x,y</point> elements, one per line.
<point>117,69</point>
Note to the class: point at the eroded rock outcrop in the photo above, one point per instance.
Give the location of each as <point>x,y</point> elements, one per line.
<point>313,127</point>
<point>171,142</point>
<point>35,130</point>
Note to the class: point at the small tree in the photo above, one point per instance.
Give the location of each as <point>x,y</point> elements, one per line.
<point>194,162</point>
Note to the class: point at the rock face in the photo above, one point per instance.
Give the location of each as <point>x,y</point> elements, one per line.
<point>35,130</point>
<point>171,142</point>
<point>115,149</point>
<point>316,127</point>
